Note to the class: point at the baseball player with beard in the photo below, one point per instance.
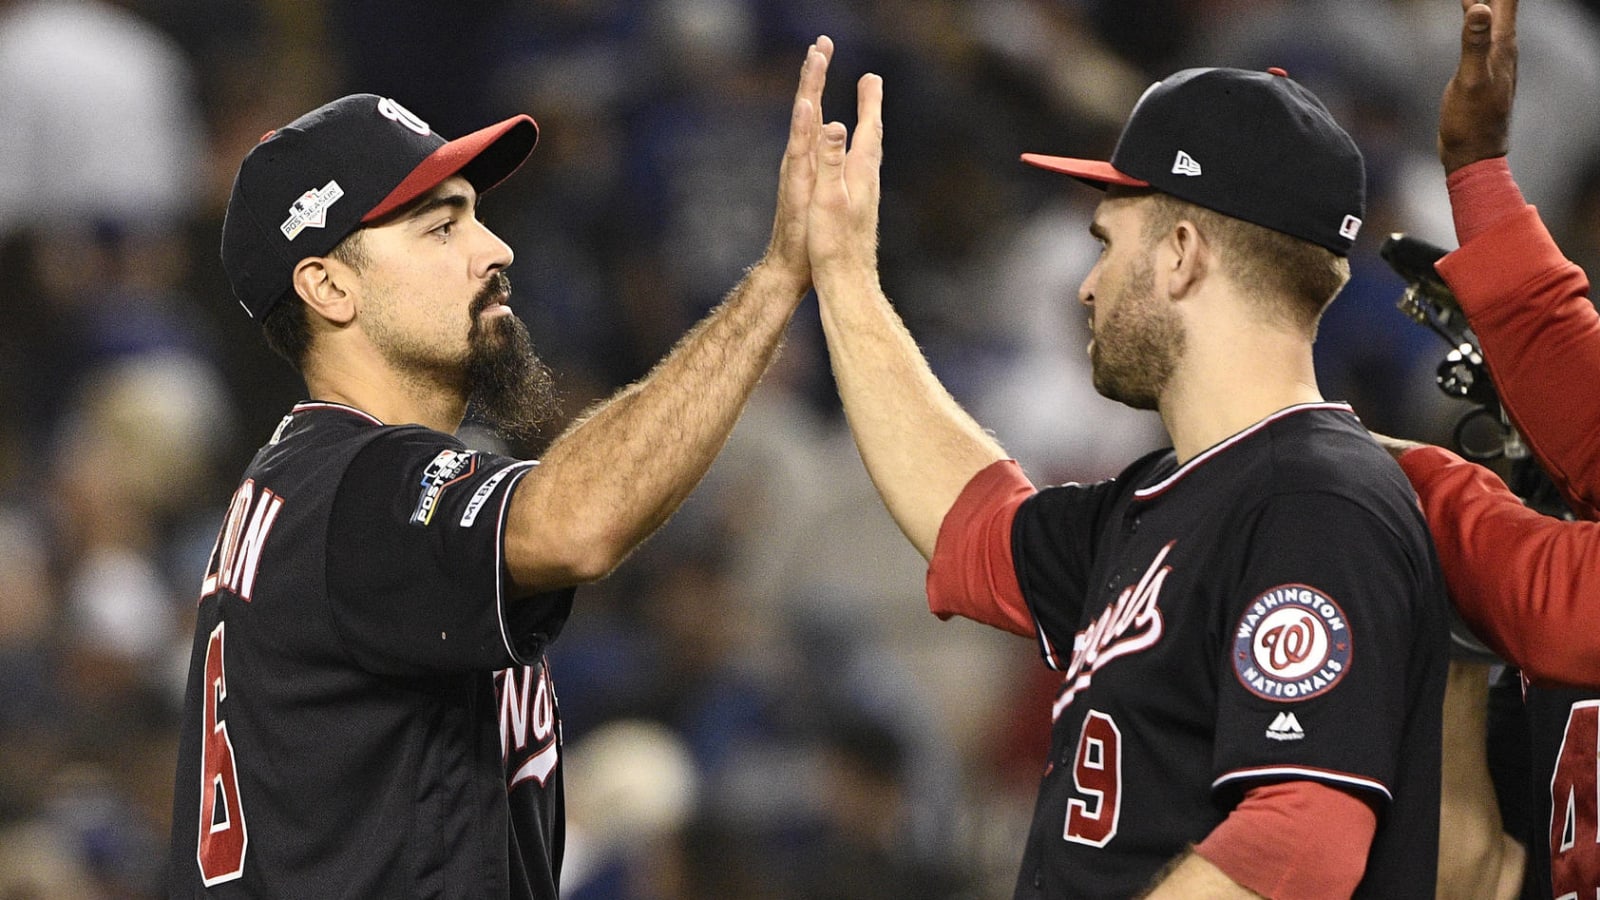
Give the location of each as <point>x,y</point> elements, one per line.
<point>1525,582</point>
<point>1250,625</point>
<point>369,713</point>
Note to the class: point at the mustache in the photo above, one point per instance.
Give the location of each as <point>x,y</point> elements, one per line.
<point>497,290</point>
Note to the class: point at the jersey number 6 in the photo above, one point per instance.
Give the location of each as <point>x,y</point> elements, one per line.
<point>1097,772</point>
<point>222,833</point>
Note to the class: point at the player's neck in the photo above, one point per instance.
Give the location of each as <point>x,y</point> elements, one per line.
<point>1223,387</point>
<point>392,396</point>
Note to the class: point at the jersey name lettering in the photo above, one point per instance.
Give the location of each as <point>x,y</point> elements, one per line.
<point>1130,624</point>
<point>237,554</point>
<point>527,724</point>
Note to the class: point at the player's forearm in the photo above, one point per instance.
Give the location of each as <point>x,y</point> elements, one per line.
<point>614,477</point>
<point>1193,876</point>
<point>920,447</point>
<point>1473,847</point>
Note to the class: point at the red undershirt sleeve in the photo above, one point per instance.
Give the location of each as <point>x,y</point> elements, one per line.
<point>1294,839</point>
<point>1531,309</point>
<point>1482,194</point>
<point>1521,580</point>
<point>971,573</point>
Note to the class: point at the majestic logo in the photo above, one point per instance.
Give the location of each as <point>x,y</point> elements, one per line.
<point>1350,227</point>
<point>1292,643</point>
<point>449,467</point>
<point>1285,728</point>
<point>311,210</point>
<point>1184,164</point>
<point>530,734</point>
<point>1130,624</point>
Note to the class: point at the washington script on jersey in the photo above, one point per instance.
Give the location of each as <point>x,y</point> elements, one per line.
<point>1292,644</point>
<point>1129,625</point>
<point>528,724</point>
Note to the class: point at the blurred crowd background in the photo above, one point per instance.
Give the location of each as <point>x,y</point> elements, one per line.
<point>757,704</point>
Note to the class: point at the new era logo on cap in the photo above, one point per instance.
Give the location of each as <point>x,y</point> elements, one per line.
<point>1185,164</point>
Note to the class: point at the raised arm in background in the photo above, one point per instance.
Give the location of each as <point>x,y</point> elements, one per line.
<point>618,473</point>
<point>1523,581</point>
<point>920,447</point>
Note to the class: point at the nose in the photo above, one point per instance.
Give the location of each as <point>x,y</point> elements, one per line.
<point>493,255</point>
<point>1086,289</point>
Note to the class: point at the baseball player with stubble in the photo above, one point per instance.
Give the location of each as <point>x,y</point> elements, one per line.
<point>1250,625</point>
<point>368,712</point>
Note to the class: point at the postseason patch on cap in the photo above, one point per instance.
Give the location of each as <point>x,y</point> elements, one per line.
<point>1292,643</point>
<point>311,210</point>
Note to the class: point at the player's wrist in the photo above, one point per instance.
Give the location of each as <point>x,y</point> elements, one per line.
<point>778,273</point>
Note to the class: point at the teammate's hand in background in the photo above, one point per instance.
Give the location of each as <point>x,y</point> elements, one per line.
<point>1475,115</point>
<point>1395,446</point>
<point>787,252</point>
<point>843,228</point>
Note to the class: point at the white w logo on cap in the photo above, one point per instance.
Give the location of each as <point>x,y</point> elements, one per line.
<point>1185,164</point>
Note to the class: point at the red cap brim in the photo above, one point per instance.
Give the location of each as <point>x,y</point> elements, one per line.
<point>1094,171</point>
<point>486,157</point>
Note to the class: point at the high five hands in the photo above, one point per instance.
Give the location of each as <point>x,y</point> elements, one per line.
<point>827,218</point>
<point>1475,114</point>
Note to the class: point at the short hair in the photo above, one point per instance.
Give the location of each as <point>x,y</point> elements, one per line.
<point>287,327</point>
<point>1265,263</point>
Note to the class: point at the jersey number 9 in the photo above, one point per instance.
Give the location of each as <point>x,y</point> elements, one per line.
<point>1097,773</point>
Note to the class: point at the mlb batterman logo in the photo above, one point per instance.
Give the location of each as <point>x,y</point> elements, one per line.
<point>1292,643</point>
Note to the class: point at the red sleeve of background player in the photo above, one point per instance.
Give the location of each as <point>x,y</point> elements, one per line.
<point>1541,335</point>
<point>1526,583</point>
<point>971,573</point>
<point>1294,839</point>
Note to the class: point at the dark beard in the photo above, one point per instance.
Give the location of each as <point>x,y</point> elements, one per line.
<point>509,388</point>
<point>1137,348</point>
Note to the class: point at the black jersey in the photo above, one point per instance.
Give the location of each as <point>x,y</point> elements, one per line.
<point>1562,728</point>
<point>1271,610</point>
<point>368,712</point>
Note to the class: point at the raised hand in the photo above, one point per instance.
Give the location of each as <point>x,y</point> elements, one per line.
<point>843,229</point>
<point>1475,115</point>
<point>787,251</point>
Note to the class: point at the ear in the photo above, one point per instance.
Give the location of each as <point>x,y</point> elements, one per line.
<point>1187,261</point>
<point>328,286</point>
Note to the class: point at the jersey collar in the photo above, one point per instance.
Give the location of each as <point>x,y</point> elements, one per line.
<point>1150,492</point>
<point>312,405</point>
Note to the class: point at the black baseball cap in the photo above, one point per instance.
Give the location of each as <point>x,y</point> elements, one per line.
<point>1256,146</point>
<point>308,185</point>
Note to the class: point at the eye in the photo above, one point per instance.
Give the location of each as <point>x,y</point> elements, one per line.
<point>444,228</point>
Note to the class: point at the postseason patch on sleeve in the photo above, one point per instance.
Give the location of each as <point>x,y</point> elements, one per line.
<point>1292,643</point>
<point>449,467</point>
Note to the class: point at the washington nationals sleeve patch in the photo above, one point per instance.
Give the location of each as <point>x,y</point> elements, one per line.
<point>1292,644</point>
<point>449,467</point>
